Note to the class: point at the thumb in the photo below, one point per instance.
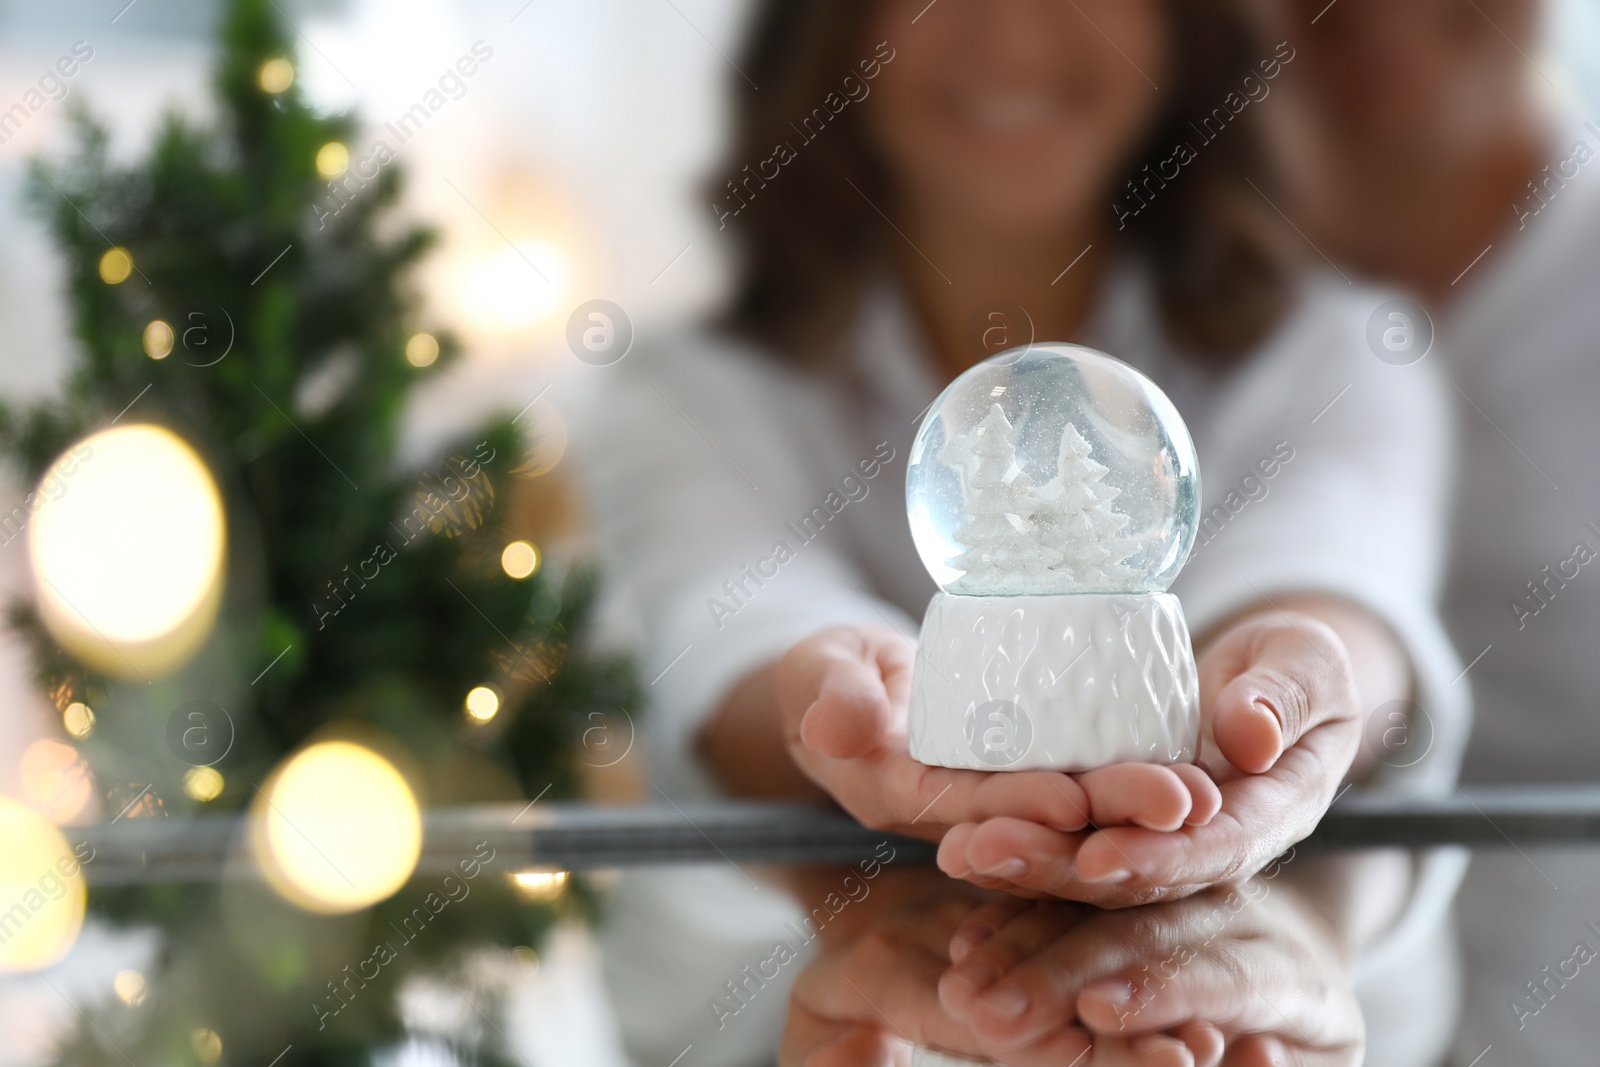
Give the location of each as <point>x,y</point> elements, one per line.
<point>1296,676</point>
<point>834,694</point>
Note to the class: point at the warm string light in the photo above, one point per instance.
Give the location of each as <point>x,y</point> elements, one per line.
<point>127,545</point>
<point>544,440</point>
<point>55,780</point>
<point>422,350</point>
<point>78,719</point>
<point>116,265</point>
<point>520,559</point>
<point>158,340</point>
<point>482,703</point>
<point>333,159</point>
<point>129,987</point>
<point>540,886</point>
<point>207,1045</point>
<point>275,76</point>
<point>203,783</point>
<point>337,829</point>
<point>42,883</point>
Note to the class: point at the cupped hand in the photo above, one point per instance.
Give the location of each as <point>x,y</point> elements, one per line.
<point>1249,976</point>
<point>844,695</point>
<point>1280,729</point>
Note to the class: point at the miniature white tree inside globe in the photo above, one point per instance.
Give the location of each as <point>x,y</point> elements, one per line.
<point>1053,494</point>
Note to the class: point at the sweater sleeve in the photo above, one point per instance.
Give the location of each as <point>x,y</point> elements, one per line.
<point>1329,471</point>
<point>706,516</point>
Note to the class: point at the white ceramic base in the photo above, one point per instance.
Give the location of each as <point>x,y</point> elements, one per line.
<point>1054,682</point>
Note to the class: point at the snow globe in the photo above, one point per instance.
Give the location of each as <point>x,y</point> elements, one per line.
<point>1053,494</point>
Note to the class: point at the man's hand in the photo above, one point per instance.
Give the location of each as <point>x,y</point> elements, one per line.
<point>1281,726</point>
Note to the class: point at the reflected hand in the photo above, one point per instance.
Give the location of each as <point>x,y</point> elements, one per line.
<point>1248,976</point>
<point>867,999</point>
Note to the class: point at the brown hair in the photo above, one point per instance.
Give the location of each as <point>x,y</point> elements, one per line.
<point>807,242</point>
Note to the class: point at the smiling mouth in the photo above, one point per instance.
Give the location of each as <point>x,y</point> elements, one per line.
<point>1008,113</point>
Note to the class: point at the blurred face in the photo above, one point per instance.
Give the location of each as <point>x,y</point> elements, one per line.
<point>1016,116</point>
<point>1408,70</point>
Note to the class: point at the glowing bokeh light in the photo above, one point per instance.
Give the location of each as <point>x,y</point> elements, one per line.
<point>116,265</point>
<point>42,894</point>
<point>78,719</point>
<point>520,559</point>
<point>516,287</point>
<point>129,987</point>
<point>482,703</point>
<point>333,159</point>
<point>422,350</point>
<point>127,547</point>
<point>540,886</point>
<point>275,75</point>
<point>55,780</point>
<point>207,1045</point>
<point>158,339</point>
<point>203,783</point>
<point>337,828</point>
<point>544,440</point>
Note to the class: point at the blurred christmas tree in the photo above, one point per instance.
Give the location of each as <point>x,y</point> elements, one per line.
<point>215,292</point>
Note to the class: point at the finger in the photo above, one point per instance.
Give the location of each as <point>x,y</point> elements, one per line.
<point>812,1040</point>
<point>916,794</point>
<point>1298,676</point>
<point>1049,798</point>
<point>1241,982</point>
<point>1073,1047</point>
<point>1033,861</point>
<point>1205,1042</point>
<point>1257,1050</point>
<point>952,855</point>
<point>1205,798</point>
<point>1267,1050</point>
<point>1021,853</point>
<point>861,1047</point>
<point>837,692</point>
<point>1159,1050</point>
<point>888,978</point>
<point>1262,816</point>
<point>1145,794</point>
<point>1037,993</point>
<point>982,924</point>
<point>920,794</point>
<point>1031,929</point>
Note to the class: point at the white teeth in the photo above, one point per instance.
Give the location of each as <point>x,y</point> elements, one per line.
<point>1010,113</point>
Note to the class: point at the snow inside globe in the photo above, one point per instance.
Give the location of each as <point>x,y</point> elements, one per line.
<point>1053,493</point>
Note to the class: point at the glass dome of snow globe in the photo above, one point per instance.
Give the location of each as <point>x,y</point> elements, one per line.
<point>1052,469</point>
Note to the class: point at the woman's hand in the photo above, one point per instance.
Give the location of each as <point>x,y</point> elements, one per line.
<point>1281,727</point>
<point>844,696</point>
<point>1249,976</point>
